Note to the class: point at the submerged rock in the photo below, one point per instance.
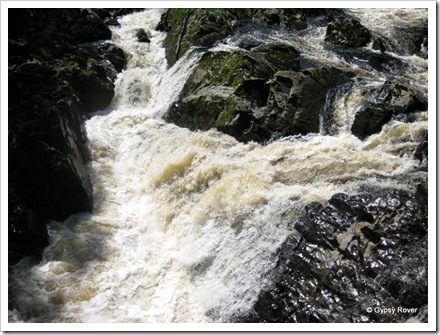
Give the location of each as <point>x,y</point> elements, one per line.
<point>351,261</point>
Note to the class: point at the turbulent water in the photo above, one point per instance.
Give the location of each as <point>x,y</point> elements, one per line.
<point>186,225</point>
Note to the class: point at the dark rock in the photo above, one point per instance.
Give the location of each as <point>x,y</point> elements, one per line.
<point>412,40</point>
<point>109,57</point>
<point>110,15</point>
<point>88,80</point>
<point>319,224</point>
<point>297,99</point>
<point>27,235</point>
<point>378,45</point>
<point>88,27</point>
<point>409,39</point>
<point>369,121</point>
<point>336,267</point>
<point>204,27</point>
<point>352,204</point>
<point>382,104</point>
<point>424,48</point>
<point>422,197</point>
<point>193,27</point>
<point>56,76</point>
<point>142,36</point>
<point>421,152</point>
<point>348,32</point>
<point>267,94</point>
<point>400,97</point>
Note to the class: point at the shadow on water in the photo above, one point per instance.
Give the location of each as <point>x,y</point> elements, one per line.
<point>67,273</point>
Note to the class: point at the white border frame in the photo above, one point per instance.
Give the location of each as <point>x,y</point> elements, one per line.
<point>249,327</point>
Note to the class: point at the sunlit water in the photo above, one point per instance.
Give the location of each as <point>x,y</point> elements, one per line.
<point>186,225</point>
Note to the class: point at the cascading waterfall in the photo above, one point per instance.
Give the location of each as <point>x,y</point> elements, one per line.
<point>186,225</point>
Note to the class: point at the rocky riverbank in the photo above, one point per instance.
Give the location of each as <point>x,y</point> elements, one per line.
<point>352,261</point>
<point>60,69</point>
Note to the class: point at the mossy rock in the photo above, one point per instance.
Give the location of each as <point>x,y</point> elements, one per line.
<point>243,75</point>
<point>193,27</point>
<point>219,68</point>
<point>88,80</point>
<point>211,100</point>
<point>232,69</point>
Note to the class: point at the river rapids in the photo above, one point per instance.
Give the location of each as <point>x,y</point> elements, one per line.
<point>186,225</point>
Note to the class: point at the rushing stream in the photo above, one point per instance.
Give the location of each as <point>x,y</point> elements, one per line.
<point>186,225</point>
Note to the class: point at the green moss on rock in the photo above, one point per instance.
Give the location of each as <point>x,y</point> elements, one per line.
<point>193,27</point>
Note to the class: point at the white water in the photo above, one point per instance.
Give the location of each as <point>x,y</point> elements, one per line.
<point>186,225</point>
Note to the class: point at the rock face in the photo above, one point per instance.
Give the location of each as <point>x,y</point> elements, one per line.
<point>256,95</point>
<point>56,77</point>
<point>391,100</point>
<point>350,259</point>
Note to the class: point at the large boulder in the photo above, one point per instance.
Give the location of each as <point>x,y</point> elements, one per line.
<point>298,98</point>
<point>391,100</point>
<point>356,259</point>
<point>56,76</point>
<point>255,95</point>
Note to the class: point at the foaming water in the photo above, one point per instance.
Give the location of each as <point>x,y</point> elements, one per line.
<point>186,225</point>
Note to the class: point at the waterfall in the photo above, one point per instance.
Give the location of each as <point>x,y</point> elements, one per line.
<point>186,225</point>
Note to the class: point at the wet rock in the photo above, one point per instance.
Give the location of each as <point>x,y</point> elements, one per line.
<point>421,152</point>
<point>142,36</point>
<point>378,45</point>
<point>412,40</point>
<point>109,57</point>
<point>193,27</point>
<point>294,18</point>
<point>204,27</point>
<point>337,267</point>
<point>88,79</point>
<point>238,88</point>
<point>424,48</point>
<point>390,100</point>
<point>297,99</point>
<point>27,235</point>
<point>348,32</point>
<point>268,94</point>
<point>370,120</point>
<point>88,27</point>
<point>319,225</point>
<point>57,74</point>
<point>110,15</point>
